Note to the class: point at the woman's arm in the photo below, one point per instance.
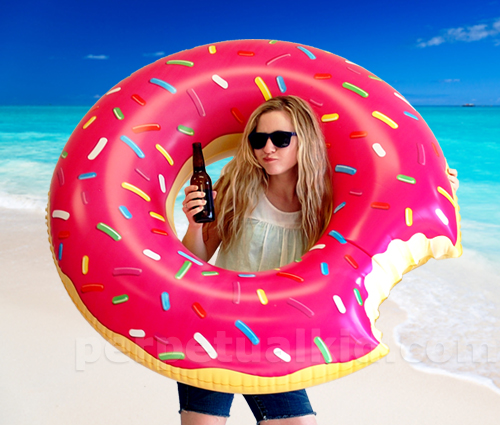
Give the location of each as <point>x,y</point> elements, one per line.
<point>452,177</point>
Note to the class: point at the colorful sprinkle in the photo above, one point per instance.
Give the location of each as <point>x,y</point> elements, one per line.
<point>64,154</point>
<point>118,113</point>
<point>120,299</point>
<point>164,85</point>
<point>262,296</point>
<point>309,54</point>
<point>385,119</point>
<point>351,261</point>
<point>301,307</point>
<point>421,153</point>
<point>85,198</point>
<point>278,352</point>
<point>210,350</point>
<point>402,98</point>
<point>131,144</point>
<point>409,217</point>
<point>85,264</point>
<point>238,115</point>
<point>324,269</point>
<point>406,179</point>
<point>411,115</point>
<point>339,303</point>
<point>185,130</point>
<point>174,355</point>
<point>132,271</point>
<point>165,154</point>
<point>157,216</point>
<point>138,99</point>
<point>142,174</point>
<point>373,77</point>
<point>136,190</point>
<point>247,332</point>
<point>380,205</point>
<point>137,333</point>
<point>323,76</point>
<point>442,216</point>
<point>98,148</point>
<point>159,232</point>
<point>324,349</point>
<point>59,256</point>
<point>281,83</point>
<point>165,301</point>
<point>183,270</point>
<point>355,192</point>
<point>161,181</point>
<point>345,169</point>
<point>355,89</point>
<point>197,102</point>
<point>63,215</point>
<point>339,207</point>
<point>90,121</point>
<point>358,296</point>
<point>109,231</point>
<point>210,273</point>
<point>146,127</point>
<point>180,62</point>
<point>246,53</point>
<point>246,275</point>
<point>217,79</point>
<point>354,70</point>
<point>194,260</point>
<point>290,276</point>
<point>277,58</point>
<point>435,149</point>
<point>63,234</point>
<point>236,292</point>
<point>379,150</point>
<point>329,117</point>
<point>92,287</point>
<point>86,176</point>
<point>60,176</point>
<point>199,310</point>
<point>151,254</point>
<point>337,236</point>
<point>358,134</point>
<point>447,196</point>
<point>318,246</point>
<point>212,49</point>
<point>263,88</point>
<point>115,90</point>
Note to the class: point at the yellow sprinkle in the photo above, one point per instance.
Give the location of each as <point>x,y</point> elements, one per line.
<point>212,49</point>
<point>136,190</point>
<point>165,154</point>
<point>157,216</point>
<point>90,121</point>
<point>262,296</point>
<point>409,216</point>
<point>446,195</point>
<point>329,117</point>
<point>85,264</point>
<point>263,88</point>
<point>384,118</point>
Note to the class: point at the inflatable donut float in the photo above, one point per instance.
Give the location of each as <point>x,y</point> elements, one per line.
<point>111,230</point>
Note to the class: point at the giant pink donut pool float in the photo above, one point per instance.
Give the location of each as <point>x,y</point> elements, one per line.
<point>110,219</point>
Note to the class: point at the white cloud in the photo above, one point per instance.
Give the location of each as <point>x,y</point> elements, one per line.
<point>99,57</point>
<point>467,34</point>
<point>451,80</point>
<point>155,54</point>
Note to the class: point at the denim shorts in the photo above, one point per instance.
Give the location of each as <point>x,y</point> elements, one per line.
<point>264,406</point>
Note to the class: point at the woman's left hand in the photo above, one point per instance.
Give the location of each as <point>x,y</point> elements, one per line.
<point>452,177</point>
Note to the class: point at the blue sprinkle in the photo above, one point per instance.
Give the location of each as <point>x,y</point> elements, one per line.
<point>345,169</point>
<point>165,301</point>
<point>411,115</point>
<point>324,269</point>
<point>85,176</point>
<point>60,251</point>
<point>126,213</point>
<point>309,54</point>
<point>246,275</point>
<point>337,236</point>
<point>133,146</point>
<point>247,331</point>
<point>281,83</point>
<point>339,207</point>
<point>194,260</point>
<point>164,85</point>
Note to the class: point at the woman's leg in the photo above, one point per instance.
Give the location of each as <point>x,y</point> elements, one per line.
<point>301,420</point>
<point>194,418</point>
<point>203,407</point>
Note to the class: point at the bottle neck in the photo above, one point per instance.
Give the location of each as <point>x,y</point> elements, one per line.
<point>198,160</point>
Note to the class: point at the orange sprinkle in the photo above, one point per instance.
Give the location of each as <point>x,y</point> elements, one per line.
<point>93,287</point>
<point>290,276</point>
<point>351,261</point>
<point>146,127</point>
<point>199,310</point>
<point>358,134</point>
<point>246,53</point>
<point>238,115</point>
<point>63,234</point>
<point>380,205</point>
<point>138,99</point>
<point>159,232</point>
<point>322,76</point>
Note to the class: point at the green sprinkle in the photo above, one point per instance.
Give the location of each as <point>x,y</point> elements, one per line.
<point>64,154</point>
<point>180,62</point>
<point>120,299</point>
<point>355,89</point>
<point>324,349</point>
<point>210,273</point>
<point>183,270</point>
<point>118,113</point>
<point>273,41</point>
<point>171,356</point>
<point>358,296</point>
<point>186,130</point>
<point>298,260</point>
<point>109,231</point>
<point>406,179</point>
<point>374,78</point>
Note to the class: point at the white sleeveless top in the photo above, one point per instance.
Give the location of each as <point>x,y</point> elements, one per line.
<point>271,238</point>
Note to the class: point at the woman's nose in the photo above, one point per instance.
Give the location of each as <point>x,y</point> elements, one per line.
<point>269,147</point>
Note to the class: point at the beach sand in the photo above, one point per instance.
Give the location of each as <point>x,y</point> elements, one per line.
<point>56,369</point>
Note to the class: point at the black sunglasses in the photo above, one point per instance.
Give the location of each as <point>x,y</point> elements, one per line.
<point>280,139</point>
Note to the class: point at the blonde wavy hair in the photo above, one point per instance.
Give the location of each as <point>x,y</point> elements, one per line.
<point>243,178</point>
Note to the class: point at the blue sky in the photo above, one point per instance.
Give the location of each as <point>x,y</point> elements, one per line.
<point>71,53</point>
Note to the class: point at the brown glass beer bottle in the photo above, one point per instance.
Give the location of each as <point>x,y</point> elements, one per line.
<point>202,180</point>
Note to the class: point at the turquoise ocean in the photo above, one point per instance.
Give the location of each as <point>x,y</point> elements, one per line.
<point>452,306</point>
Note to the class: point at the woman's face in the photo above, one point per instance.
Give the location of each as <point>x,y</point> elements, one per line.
<point>277,161</point>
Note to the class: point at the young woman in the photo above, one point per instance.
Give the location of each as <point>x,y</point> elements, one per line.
<point>273,204</point>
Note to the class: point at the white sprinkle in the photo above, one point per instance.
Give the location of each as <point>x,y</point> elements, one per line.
<point>200,339</point>
<point>319,246</point>
<point>379,150</point>
<point>352,63</point>
<point>442,217</point>
<point>358,281</point>
<point>64,215</point>
<point>220,81</point>
<point>161,179</point>
<point>117,89</point>
<point>402,98</point>
<point>98,148</point>
<point>339,303</point>
<point>151,254</point>
<point>137,333</point>
<point>278,352</point>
